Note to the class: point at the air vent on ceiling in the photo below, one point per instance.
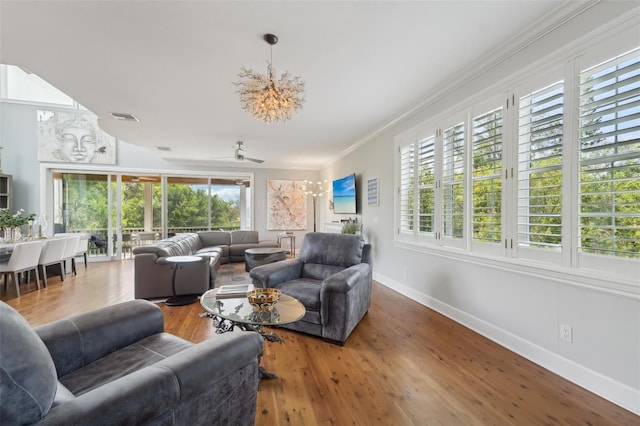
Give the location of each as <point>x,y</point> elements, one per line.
<point>163,148</point>
<point>123,116</point>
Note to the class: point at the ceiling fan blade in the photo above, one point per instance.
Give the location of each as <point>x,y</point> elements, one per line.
<point>255,160</point>
<point>223,158</point>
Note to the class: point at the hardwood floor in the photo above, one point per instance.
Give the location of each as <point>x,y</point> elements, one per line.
<point>403,365</point>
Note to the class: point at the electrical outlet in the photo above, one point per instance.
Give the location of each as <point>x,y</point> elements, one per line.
<point>566,333</point>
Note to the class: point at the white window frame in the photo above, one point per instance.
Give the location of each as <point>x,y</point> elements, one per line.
<point>520,250</point>
<point>498,248</point>
<point>616,274</point>
<point>453,120</point>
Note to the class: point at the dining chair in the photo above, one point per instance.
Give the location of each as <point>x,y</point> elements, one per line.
<point>69,254</point>
<point>83,249</point>
<point>83,246</point>
<point>24,257</point>
<point>51,254</point>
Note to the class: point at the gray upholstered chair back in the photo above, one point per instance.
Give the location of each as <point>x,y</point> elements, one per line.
<point>324,254</point>
<point>332,249</point>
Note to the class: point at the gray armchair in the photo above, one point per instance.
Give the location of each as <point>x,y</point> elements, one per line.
<point>331,278</point>
<point>116,366</point>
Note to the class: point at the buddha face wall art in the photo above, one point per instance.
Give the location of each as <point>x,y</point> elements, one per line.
<point>73,138</point>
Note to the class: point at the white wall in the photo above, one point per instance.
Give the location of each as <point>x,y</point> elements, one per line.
<point>18,137</point>
<point>509,305</point>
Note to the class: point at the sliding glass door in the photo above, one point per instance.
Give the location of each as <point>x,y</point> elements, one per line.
<point>121,211</point>
<point>81,204</point>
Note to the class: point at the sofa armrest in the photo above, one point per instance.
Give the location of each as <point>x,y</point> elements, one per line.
<point>82,339</point>
<point>157,390</point>
<point>266,276</point>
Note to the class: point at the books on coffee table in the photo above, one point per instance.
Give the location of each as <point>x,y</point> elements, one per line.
<point>233,291</point>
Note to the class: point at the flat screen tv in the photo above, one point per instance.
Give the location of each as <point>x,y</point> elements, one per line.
<point>344,195</point>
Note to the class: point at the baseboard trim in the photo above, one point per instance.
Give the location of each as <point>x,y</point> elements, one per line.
<point>603,386</point>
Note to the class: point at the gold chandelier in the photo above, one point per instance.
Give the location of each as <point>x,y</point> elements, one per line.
<point>267,98</point>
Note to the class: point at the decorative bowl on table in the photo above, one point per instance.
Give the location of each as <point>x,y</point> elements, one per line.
<point>263,299</point>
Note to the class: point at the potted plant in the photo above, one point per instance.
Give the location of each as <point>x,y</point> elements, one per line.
<point>351,228</point>
<point>12,222</point>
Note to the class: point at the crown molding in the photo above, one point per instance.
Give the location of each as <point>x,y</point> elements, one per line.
<point>534,32</point>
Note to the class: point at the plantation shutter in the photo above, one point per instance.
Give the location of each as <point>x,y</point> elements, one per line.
<point>426,190</point>
<point>407,167</point>
<point>487,177</point>
<point>609,158</point>
<point>453,182</point>
<point>540,130</point>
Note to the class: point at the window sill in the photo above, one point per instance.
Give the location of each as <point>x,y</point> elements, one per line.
<point>582,277</point>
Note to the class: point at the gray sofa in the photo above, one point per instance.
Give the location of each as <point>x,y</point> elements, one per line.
<point>234,243</point>
<point>153,274</point>
<point>332,278</point>
<point>116,366</point>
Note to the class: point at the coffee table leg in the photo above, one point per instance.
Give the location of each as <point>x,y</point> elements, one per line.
<point>271,337</point>
<point>264,374</point>
<point>223,326</point>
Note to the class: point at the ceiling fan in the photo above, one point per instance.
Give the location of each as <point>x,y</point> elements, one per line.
<point>240,154</point>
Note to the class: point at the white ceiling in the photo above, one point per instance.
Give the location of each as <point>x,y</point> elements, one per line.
<point>172,65</point>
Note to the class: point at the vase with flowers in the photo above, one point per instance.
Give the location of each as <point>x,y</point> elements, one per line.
<point>12,223</point>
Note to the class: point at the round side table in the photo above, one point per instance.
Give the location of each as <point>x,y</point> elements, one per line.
<point>184,299</point>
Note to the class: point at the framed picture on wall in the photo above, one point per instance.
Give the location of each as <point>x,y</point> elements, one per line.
<point>373,192</point>
<point>286,205</point>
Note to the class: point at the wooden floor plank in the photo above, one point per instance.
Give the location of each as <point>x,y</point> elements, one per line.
<point>403,365</point>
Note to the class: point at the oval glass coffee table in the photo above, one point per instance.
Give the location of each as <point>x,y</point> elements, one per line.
<point>228,313</point>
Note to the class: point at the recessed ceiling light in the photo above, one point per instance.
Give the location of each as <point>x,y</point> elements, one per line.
<point>123,116</point>
<point>163,148</point>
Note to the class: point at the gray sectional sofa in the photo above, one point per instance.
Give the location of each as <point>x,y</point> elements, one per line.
<point>153,274</point>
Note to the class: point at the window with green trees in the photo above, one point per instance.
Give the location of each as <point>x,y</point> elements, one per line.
<point>609,136</point>
<point>426,184</point>
<point>540,129</point>
<point>81,203</point>
<point>453,140</point>
<point>549,176</point>
<point>487,177</point>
